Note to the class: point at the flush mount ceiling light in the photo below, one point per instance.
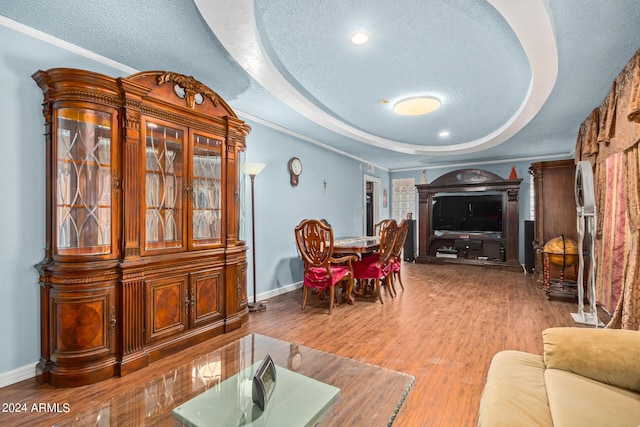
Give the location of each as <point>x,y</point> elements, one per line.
<point>360,37</point>
<point>416,106</point>
<point>444,133</point>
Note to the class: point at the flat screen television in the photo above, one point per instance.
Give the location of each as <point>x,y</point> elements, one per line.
<point>468,214</point>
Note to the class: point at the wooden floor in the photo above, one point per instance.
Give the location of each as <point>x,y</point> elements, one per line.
<point>444,328</point>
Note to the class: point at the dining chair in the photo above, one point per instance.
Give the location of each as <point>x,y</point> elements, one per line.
<point>377,266</point>
<point>377,228</point>
<point>322,271</point>
<point>403,230</point>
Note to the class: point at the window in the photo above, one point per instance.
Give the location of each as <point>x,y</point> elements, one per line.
<point>404,199</point>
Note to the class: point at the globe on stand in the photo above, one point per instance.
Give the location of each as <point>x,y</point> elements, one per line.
<point>562,252</point>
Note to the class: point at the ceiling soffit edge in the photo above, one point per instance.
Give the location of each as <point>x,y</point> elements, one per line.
<point>530,21</point>
<point>314,141</point>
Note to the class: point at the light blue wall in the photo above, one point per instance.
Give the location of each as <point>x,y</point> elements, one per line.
<point>279,206</point>
<point>22,182</point>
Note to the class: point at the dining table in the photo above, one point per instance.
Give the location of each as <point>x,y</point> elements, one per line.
<point>359,246</point>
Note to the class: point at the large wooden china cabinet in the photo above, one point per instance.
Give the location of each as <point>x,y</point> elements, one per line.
<point>143,255</point>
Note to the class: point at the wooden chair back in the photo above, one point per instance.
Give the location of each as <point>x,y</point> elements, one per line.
<point>315,243</point>
<point>403,230</point>
<point>377,228</point>
<point>388,237</point>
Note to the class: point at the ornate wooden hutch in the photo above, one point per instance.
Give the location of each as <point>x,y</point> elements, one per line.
<point>143,255</point>
<point>491,249</point>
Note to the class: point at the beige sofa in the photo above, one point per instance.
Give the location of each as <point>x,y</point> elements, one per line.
<point>586,377</point>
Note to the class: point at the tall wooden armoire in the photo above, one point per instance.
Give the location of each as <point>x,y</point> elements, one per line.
<point>554,207</point>
<point>143,255</point>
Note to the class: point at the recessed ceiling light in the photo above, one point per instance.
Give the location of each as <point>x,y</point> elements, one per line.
<point>444,133</point>
<point>360,37</point>
<point>416,106</point>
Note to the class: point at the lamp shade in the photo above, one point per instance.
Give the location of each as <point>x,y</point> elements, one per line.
<point>253,168</point>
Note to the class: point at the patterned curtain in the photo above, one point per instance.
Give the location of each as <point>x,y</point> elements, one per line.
<point>627,312</point>
<point>609,139</point>
<point>612,223</point>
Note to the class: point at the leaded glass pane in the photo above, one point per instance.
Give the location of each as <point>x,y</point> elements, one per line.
<point>83,190</point>
<point>242,179</point>
<point>207,191</point>
<point>163,186</point>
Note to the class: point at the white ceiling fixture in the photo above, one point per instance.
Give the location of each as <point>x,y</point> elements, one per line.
<point>416,106</point>
<point>360,37</point>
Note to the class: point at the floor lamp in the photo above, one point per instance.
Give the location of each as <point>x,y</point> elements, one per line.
<point>253,169</point>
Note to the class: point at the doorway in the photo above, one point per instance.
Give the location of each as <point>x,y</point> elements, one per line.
<point>371,203</point>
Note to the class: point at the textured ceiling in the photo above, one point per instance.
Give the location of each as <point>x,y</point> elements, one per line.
<point>404,58</point>
<point>516,78</point>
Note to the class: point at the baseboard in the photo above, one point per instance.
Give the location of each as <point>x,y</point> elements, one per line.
<point>17,375</point>
<point>275,292</point>
<point>29,371</point>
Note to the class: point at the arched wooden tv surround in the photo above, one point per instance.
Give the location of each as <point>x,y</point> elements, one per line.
<point>474,181</point>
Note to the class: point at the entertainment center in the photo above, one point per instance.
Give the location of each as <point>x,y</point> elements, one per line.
<point>469,216</point>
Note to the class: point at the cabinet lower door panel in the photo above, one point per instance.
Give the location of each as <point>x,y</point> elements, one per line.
<point>84,325</point>
<point>207,296</point>
<point>168,306</point>
<point>242,281</point>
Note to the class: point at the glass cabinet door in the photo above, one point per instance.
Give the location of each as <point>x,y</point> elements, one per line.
<point>242,205</point>
<point>206,186</point>
<point>83,182</point>
<point>164,181</point>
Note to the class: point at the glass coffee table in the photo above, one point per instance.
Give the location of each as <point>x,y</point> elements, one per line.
<point>312,388</point>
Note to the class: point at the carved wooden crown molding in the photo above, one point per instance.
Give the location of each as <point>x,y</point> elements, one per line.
<point>466,176</point>
<point>86,95</point>
<point>191,86</point>
<point>185,120</point>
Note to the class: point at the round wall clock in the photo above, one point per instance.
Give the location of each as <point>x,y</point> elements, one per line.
<point>295,169</point>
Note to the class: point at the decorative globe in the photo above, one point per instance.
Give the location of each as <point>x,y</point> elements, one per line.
<point>562,251</point>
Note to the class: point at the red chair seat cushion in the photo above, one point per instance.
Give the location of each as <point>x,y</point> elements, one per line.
<point>317,277</point>
<point>374,255</point>
<point>396,266</point>
<point>367,268</point>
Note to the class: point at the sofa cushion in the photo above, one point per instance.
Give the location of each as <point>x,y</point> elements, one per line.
<point>611,356</point>
<point>575,400</point>
<point>515,393</point>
